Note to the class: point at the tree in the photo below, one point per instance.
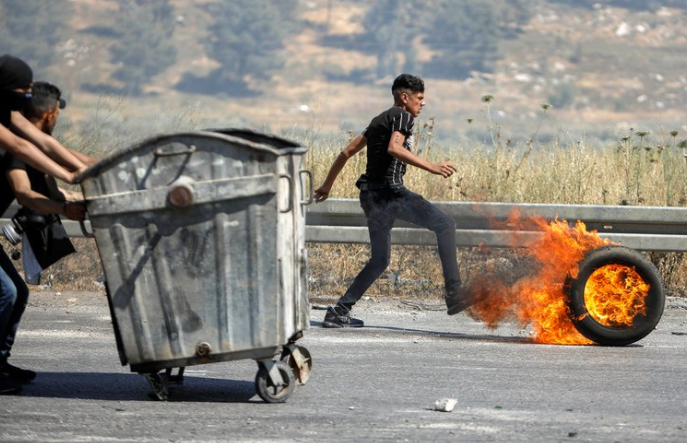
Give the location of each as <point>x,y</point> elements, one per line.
<point>464,34</point>
<point>393,26</point>
<point>639,5</point>
<point>33,30</point>
<point>145,47</point>
<point>247,39</point>
<point>512,15</point>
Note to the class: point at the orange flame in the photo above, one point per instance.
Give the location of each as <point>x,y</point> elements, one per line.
<point>615,294</point>
<point>538,300</point>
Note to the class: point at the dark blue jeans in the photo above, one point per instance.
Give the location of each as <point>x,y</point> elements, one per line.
<point>382,207</point>
<point>14,295</point>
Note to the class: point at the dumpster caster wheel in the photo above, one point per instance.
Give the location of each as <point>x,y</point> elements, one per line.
<point>299,360</point>
<point>274,381</point>
<point>159,385</point>
<point>178,378</point>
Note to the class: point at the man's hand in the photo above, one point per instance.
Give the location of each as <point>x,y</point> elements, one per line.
<point>443,169</point>
<point>76,175</point>
<point>71,196</point>
<point>321,194</point>
<point>74,211</point>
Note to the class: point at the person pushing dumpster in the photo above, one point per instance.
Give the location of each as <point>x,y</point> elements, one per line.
<point>20,139</point>
<point>384,198</point>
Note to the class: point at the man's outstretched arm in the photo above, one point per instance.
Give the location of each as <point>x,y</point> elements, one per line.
<point>355,146</point>
<point>27,152</point>
<point>46,143</point>
<point>26,196</point>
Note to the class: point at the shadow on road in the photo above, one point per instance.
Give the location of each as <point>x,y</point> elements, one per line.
<point>435,334</point>
<point>451,335</point>
<point>134,387</point>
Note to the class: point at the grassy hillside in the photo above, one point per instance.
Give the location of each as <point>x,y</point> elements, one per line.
<point>605,70</point>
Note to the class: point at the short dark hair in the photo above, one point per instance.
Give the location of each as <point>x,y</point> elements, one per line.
<point>44,98</point>
<point>407,81</point>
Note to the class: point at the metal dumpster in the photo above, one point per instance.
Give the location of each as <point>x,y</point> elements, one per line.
<point>202,240</point>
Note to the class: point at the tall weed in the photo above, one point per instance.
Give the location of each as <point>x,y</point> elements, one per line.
<point>639,169</point>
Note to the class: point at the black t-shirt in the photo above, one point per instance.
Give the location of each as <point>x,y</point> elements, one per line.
<point>48,241</point>
<point>39,180</point>
<point>6,193</point>
<point>381,166</point>
<point>5,116</point>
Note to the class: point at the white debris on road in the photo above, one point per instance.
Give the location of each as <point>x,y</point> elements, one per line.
<point>445,404</point>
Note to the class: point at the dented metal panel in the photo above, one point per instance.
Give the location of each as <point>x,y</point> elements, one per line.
<point>294,194</point>
<point>196,236</point>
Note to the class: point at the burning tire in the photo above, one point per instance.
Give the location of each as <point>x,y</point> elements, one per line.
<point>617,297</point>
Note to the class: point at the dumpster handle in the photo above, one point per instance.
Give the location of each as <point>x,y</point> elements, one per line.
<point>84,231</point>
<point>309,198</point>
<point>289,207</point>
<point>190,150</point>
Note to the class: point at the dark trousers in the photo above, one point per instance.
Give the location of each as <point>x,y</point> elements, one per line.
<point>382,207</point>
<point>14,296</point>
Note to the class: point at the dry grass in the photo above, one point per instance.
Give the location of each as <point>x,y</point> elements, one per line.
<point>77,272</point>
<point>638,170</point>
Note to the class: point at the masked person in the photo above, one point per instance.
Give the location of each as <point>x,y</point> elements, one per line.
<point>384,198</point>
<point>23,140</point>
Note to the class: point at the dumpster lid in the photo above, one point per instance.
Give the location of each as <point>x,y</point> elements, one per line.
<point>255,140</point>
<point>284,145</point>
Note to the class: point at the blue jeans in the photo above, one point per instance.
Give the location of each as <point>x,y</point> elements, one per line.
<point>382,207</point>
<point>14,296</point>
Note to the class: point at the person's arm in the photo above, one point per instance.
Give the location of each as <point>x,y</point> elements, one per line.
<point>71,196</point>
<point>85,159</point>
<point>399,152</point>
<point>46,143</point>
<point>32,156</point>
<point>21,185</point>
<point>322,193</point>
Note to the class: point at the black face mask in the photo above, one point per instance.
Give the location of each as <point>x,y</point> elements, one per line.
<point>16,101</point>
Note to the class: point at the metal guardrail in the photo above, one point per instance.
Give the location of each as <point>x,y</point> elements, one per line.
<point>638,227</point>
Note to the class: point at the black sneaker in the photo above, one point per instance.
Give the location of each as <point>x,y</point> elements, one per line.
<point>333,319</point>
<point>460,301</point>
<point>9,386</point>
<point>16,374</point>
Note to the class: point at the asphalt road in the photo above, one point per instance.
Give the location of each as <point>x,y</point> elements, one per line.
<point>376,384</point>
